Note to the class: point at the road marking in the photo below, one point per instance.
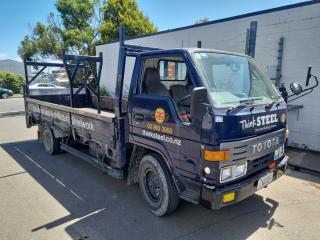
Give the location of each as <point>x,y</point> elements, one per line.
<point>49,174</point>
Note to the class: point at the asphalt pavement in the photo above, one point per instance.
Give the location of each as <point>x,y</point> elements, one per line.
<point>11,106</point>
<point>61,197</point>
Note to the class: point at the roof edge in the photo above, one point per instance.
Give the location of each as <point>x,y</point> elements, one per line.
<point>296,5</point>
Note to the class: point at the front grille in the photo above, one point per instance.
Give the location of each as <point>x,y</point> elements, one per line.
<point>260,163</point>
<point>241,151</point>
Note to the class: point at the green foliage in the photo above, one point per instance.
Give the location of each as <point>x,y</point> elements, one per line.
<point>11,81</point>
<point>27,48</point>
<point>126,12</point>
<point>81,24</point>
<point>74,29</point>
<point>104,92</point>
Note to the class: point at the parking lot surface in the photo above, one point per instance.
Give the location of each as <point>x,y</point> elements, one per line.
<point>11,105</point>
<point>61,197</point>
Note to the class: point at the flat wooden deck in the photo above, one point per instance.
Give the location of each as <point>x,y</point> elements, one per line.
<point>88,112</point>
<point>95,111</point>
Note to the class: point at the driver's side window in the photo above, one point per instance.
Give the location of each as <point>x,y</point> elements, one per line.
<point>168,76</point>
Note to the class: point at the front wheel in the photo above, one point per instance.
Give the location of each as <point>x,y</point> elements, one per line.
<point>156,186</point>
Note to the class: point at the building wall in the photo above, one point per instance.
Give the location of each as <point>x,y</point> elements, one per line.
<point>300,27</point>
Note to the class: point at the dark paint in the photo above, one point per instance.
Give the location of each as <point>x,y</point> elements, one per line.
<point>187,160</point>
<point>183,148</point>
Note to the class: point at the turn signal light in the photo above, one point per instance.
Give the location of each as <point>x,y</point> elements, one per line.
<point>272,165</point>
<point>216,156</point>
<point>287,134</point>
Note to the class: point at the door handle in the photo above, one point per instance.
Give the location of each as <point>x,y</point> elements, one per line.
<point>139,117</point>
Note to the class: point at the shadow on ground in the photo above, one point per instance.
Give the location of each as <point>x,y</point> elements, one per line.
<point>105,208</point>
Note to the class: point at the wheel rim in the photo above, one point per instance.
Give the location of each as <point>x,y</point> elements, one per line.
<point>4,95</point>
<point>153,185</point>
<point>47,140</point>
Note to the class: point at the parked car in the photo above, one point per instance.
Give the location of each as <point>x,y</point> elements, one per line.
<point>44,86</point>
<point>5,93</point>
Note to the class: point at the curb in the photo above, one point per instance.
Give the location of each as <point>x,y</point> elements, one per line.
<point>300,168</point>
<point>11,114</point>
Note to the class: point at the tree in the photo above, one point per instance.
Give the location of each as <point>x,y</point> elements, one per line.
<point>124,12</point>
<point>11,81</point>
<point>81,24</point>
<point>27,48</point>
<point>76,28</point>
<point>201,20</point>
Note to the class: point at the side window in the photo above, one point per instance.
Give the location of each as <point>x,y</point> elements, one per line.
<point>170,70</point>
<point>168,76</point>
<point>151,80</point>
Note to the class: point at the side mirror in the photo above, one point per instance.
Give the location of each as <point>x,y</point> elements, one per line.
<point>296,88</point>
<point>199,96</point>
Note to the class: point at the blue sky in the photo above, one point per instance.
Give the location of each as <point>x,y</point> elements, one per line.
<point>18,15</point>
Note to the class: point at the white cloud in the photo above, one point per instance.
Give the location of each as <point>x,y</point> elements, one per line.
<point>3,56</point>
<point>18,59</point>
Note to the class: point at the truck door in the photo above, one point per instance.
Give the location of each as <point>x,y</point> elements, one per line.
<point>160,119</point>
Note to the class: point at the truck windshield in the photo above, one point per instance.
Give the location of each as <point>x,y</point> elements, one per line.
<point>232,80</point>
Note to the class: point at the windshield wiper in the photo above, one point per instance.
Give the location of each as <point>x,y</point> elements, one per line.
<point>274,100</point>
<point>244,103</point>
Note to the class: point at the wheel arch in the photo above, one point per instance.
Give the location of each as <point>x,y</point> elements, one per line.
<point>138,152</point>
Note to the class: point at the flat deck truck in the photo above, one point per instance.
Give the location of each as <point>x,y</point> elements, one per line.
<point>201,125</point>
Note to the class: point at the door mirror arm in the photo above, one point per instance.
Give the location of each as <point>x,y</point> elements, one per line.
<point>297,89</point>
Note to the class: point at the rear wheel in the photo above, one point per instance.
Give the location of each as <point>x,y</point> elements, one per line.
<point>156,186</point>
<point>4,95</point>
<point>50,143</point>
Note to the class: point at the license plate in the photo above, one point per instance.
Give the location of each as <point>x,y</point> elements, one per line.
<point>265,180</point>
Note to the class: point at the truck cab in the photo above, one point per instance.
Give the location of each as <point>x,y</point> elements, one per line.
<point>215,118</point>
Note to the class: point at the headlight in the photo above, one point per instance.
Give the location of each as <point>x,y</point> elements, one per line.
<point>226,173</point>
<point>241,169</point>
<point>278,152</point>
<point>233,172</point>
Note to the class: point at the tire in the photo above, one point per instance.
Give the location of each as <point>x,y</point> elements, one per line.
<point>156,186</point>
<point>4,95</point>
<point>50,143</point>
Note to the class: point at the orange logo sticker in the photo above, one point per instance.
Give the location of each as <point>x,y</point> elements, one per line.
<point>159,115</point>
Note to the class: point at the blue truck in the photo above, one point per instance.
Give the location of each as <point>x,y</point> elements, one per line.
<point>201,125</point>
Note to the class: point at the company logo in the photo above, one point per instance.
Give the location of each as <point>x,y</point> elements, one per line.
<point>159,115</point>
<point>265,145</point>
<point>259,121</point>
<point>283,118</point>
<point>78,122</point>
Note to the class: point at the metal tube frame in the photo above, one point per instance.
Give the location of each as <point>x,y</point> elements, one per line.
<point>125,50</point>
<point>78,62</point>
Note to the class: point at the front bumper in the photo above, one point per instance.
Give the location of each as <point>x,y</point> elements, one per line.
<point>212,198</point>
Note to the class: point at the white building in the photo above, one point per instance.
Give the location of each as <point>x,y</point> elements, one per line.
<point>297,24</point>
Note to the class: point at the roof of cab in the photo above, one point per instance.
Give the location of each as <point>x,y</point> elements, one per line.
<point>190,51</point>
